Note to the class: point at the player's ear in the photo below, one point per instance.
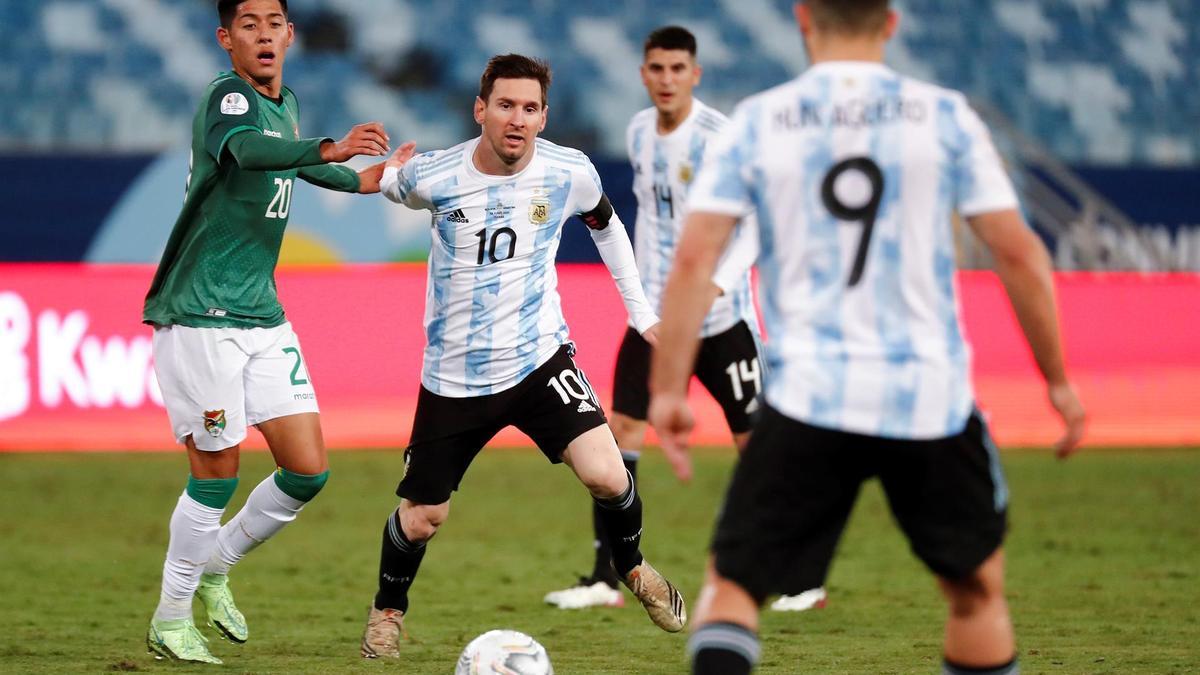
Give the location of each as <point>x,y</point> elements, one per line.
<point>223,39</point>
<point>697,73</point>
<point>291,33</point>
<point>892,23</point>
<point>803,18</point>
<point>480,106</point>
<point>545,112</point>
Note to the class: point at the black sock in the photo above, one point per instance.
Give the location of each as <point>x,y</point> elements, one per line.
<point>398,564</point>
<point>723,649</point>
<point>603,569</point>
<point>951,668</point>
<point>622,520</point>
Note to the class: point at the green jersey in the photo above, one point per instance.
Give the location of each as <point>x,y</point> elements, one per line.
<point>218,269</point>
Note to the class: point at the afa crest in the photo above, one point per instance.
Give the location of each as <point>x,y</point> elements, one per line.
<point>686,173</point>
<point>539,210</point>
<point>214,422</point>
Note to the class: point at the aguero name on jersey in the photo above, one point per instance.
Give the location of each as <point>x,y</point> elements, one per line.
<point>664,167</point>
<point>492,309</point>
<point>854,172</point>
<point>218,268</point>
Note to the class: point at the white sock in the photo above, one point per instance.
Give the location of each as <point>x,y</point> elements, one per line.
<point>193,535</point>
<point>266,512</point>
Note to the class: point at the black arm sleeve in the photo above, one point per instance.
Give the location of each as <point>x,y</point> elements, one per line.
<point>598,218</point>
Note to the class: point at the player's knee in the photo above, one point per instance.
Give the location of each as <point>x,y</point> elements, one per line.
<point>971,594</point>
<point>628,432</point>
<point>422,522</point>
<point>299,486</point>
<point>608,482</point>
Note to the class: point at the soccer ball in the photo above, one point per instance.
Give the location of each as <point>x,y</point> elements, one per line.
<point>504,652</point>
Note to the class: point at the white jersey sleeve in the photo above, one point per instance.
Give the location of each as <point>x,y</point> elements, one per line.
<point>615,250</point>
<point>983,186</point>
<point>723,184</point>
<point>738,258</point>
<point>401,185</point>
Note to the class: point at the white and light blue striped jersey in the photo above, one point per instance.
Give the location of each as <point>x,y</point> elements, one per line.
<point>854,172</point>
<point>492,309</point>
<point>664,166</point>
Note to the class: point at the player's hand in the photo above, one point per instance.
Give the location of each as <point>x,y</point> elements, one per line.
<point>401,156</point>
<point>368,178</point>
<point>672,419</point>
<point>1068,406</point>
<point>651,334</point>
<point>364,139</point>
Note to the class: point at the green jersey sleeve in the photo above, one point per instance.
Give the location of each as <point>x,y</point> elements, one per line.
<point>232,108</point>
<point>331,177</point>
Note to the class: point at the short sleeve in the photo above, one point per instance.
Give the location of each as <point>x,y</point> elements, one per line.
<point>232,107</point>
<point>409,190</point>
<point>723,183</point>
<point>739,256</point>
<point>981,183</point>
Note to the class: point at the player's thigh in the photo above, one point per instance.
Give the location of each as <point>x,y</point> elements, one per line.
<point>950,498</point>
<point>555,405</point>
<point>201,374</point>
<point>631,390</point>
<point>277,381</point>
<point>728,366</point>
<point>786,506</point>
<point>446,436</point>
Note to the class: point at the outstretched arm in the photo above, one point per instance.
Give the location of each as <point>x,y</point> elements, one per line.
<point>1023,265</point>
<point>257,152</point>
<point>686,301</point>
<point>608,232</point>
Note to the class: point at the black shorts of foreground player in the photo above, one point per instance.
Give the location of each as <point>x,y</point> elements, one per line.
<point>497,351</point>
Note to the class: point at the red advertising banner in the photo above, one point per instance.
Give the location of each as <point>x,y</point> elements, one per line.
<point>76,367</point>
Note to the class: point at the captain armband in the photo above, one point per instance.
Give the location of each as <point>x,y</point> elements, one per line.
<point>599,217</point>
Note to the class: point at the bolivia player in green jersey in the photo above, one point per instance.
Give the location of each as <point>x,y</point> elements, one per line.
<point>225,355</point>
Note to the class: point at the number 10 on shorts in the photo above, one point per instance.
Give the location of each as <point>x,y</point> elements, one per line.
<point>569,385</point>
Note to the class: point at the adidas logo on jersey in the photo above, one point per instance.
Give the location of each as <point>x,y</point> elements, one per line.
<point>584,406</point>
<point>457,216</point>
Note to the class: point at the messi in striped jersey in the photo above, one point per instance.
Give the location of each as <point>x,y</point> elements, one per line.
<point>498,352</point>
<point>666,145</point>
<point>854,172</point>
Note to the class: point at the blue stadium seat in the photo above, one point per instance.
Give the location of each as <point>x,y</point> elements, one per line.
<point>987,49</point>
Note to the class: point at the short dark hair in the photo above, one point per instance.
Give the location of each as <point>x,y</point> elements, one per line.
<point>514,67</point>
<point>671,37</point>
<point>852,17</point>
<point>227,10</point>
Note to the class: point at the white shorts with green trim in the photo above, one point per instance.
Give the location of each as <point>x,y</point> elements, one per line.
<point>218,381</point>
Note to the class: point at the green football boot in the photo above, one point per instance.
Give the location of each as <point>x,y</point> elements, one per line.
<point>218,604</point>
<point>178,640</point>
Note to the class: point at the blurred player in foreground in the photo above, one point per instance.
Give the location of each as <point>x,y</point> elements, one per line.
<point>498,351</point>
<point>224,353</point>
<point>666,145</point>
<point>854,172</point>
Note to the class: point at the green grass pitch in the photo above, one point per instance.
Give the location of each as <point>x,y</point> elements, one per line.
<point>1103,569</point>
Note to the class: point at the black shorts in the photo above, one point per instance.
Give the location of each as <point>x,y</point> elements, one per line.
<point>727,365</point>
<point>795,484</point>
<point>553,405</point>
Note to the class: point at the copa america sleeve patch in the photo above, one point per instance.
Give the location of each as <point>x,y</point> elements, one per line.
<point>234,104</point>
